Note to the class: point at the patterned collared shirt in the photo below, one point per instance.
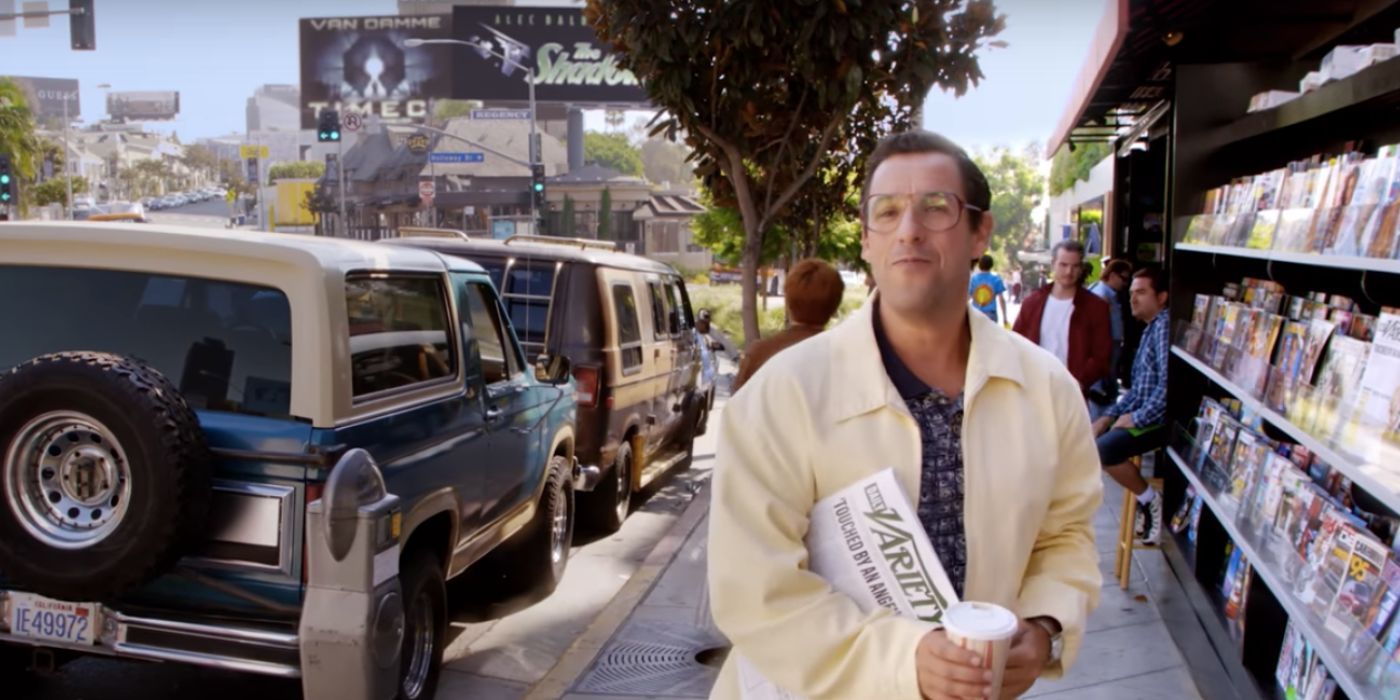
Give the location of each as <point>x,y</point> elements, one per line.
<point>940,502</point>
<point>1147,400</point>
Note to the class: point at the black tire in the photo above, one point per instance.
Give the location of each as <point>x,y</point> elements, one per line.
<point>605,508</point>
<point>425,625</point>
<point>532,563</point>
<point>14,667</point>
<point>146,483</point>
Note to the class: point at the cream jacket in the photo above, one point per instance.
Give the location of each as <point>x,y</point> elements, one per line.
<point>823,414</point>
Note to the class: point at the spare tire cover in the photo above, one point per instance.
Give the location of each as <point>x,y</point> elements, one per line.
<point>105,475</point>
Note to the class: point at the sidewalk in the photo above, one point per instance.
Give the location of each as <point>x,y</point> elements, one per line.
<point>1127,652</point>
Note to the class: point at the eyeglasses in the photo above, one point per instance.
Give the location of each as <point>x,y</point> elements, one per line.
<point>935,211</point>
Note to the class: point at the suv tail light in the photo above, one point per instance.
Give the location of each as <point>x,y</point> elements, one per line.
<point>587,385</point>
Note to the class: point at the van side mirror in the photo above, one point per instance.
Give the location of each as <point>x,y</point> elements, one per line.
<point>553,370</point>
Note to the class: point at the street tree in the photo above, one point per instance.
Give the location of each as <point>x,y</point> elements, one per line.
<point>1017,189</point>
<point>605,216</point>
<point>18,138</point>
<point>55,190</point>
<point>201,159</point>
<point>1071,165</point>
<point>567,218</point>
<point>612,151</point>
<point>452,109</point>
<point>769,93</point>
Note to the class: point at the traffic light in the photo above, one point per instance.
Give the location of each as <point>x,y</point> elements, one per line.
<point>8,186</point>
<point>537,185</point>
<point>328,126</point>
<point>82,28</point>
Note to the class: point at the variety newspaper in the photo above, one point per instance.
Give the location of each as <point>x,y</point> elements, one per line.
<point>868,543</point>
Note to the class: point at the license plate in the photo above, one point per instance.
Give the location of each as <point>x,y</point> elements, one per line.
<point>37,617</point>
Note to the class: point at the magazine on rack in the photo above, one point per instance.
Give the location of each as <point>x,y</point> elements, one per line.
<point>867,542</point>
<point>1380,384</point>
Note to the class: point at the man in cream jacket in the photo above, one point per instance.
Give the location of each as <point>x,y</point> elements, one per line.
<point>988,434</point>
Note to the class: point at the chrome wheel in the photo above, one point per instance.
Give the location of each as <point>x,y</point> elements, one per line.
<point>559,527</point>
<point>419,645</point>
<point>67,480</point>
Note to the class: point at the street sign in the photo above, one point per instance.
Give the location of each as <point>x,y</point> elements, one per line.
<point>252,152</point>
<point>521,114</point>
<point>36,15</point>
<point>417,143</point>
<point>458,157</point>
<point>426,192</point>
<point>230,195</point>
<point>352,121</point>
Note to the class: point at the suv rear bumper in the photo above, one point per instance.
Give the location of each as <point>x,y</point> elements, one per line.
<point>267,650</point>
<point>586,476</point>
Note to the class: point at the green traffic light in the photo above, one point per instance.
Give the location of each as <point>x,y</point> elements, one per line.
<point>4,178</point>
<point>4,196</point>
<point>335,135</point>
<point>539,186</point>
<point>325,136</point>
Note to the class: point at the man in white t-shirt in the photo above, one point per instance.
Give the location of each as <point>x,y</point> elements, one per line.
<point>1067,320</point>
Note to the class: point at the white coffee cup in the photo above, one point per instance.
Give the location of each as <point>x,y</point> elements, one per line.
<point>985,629</point>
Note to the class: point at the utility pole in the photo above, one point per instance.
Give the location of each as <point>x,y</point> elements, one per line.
<point>67,156</point>
<point>340,176</point>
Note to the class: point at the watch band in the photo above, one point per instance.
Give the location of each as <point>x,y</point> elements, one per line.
<point>1053,628</point>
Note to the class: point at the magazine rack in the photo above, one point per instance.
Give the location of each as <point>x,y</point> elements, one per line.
<point>1213,142</point>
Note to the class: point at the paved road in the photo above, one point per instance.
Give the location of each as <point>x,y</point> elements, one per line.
<point>495,651</point>
<point>211,213</point>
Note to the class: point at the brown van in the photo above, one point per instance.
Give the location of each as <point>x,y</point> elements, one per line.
<point>626,326</point>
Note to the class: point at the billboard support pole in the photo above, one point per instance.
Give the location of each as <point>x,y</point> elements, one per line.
<point>67,169</point>
<point>535,228</point>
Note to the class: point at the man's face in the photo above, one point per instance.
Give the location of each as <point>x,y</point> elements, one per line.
<point>918,270</point>
<point>1067,268</point>
<point>1118,281</point>
<point>1146,301</point>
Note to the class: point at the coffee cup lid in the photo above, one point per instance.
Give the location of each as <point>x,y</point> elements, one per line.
<point>974,620</point>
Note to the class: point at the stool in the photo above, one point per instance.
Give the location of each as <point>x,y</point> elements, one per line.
<point>1127,538</point>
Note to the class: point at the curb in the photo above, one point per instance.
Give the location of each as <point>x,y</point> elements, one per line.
<point>580,655</point>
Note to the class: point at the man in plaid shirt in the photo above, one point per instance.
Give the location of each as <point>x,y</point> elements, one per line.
<point>1134,425</point>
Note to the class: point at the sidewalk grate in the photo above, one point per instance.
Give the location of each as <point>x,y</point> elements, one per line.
<point>652,658</point>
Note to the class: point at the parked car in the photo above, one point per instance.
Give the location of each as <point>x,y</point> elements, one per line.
<point>265,453</point>
<point>626,326</point>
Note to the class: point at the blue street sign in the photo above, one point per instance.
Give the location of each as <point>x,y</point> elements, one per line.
<point>519,114</point>
<point>457,157</point>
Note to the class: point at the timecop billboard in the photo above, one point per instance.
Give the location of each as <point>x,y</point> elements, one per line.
<point>361,64</point>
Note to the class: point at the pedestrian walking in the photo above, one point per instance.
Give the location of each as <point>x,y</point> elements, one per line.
<point>986,290</point>
<point>1064,318</point>
<point>1016,285</point>
<point>1117,275</point>
<point>812,292</point>
<point>1134,426</point>
<point>915,381</point>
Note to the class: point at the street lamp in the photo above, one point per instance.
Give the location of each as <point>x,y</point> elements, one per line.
<point>535,155</point>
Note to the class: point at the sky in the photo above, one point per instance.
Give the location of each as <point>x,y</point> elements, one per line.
<point>215,53</point>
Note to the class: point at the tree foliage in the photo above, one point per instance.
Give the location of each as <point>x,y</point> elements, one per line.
<point>665,161</point>
<point>201,159</point>
<point>567,219</point>
<point>452,109</point>
<point>18,139</point>
<point>1069,167</point>
<point>55,190</point>
<point>605,232</point>
<point>300,169</point>
<point>771,93</point>
<point>612,151</point>
<point>1017,189</point>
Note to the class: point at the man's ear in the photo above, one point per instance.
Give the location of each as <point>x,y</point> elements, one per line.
<point>982,235</point>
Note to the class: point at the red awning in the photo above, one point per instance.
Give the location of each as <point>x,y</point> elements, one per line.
<point>1108,39</point>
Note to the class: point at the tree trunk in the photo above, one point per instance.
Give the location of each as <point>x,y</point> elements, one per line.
<point>753,245</point>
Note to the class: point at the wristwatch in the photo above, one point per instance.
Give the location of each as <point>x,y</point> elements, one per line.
<point>1057,639</point>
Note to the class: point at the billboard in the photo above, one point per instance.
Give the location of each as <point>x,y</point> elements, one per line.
<point>360,64</point>
<point>143,106</point>
<point>47,96</point>
<point>571,64</point>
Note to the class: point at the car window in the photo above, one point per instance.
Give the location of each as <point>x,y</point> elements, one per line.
<point>526,295</point>
<point>399,333</point>
<point>226,346</point>
<point>681,320</point>
<point>660,311</point>
<point>498,358</point>
<point>629,326</point>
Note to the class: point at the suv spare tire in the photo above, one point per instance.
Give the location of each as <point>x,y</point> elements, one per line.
<point>104,473</point>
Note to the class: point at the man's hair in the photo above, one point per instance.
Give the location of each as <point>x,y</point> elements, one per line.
<point>1155,277</point>
<point>1118,266</point>
<point>975,189</point>
<point>985,263</point>
<point>813,292</point>
<point>1068,244</point>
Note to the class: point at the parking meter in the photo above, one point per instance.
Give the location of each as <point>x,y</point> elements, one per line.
<point>352,621</point>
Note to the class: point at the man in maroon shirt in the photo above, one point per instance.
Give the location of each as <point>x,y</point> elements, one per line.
<point>1067,319</point>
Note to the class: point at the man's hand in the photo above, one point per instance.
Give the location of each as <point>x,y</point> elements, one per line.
<point>948,671</point>
<point>1101,425</point>
<point>1030,652</point>
<point>1125,421</point>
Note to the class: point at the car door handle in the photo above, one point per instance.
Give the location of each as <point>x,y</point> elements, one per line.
<point>493,414</point>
